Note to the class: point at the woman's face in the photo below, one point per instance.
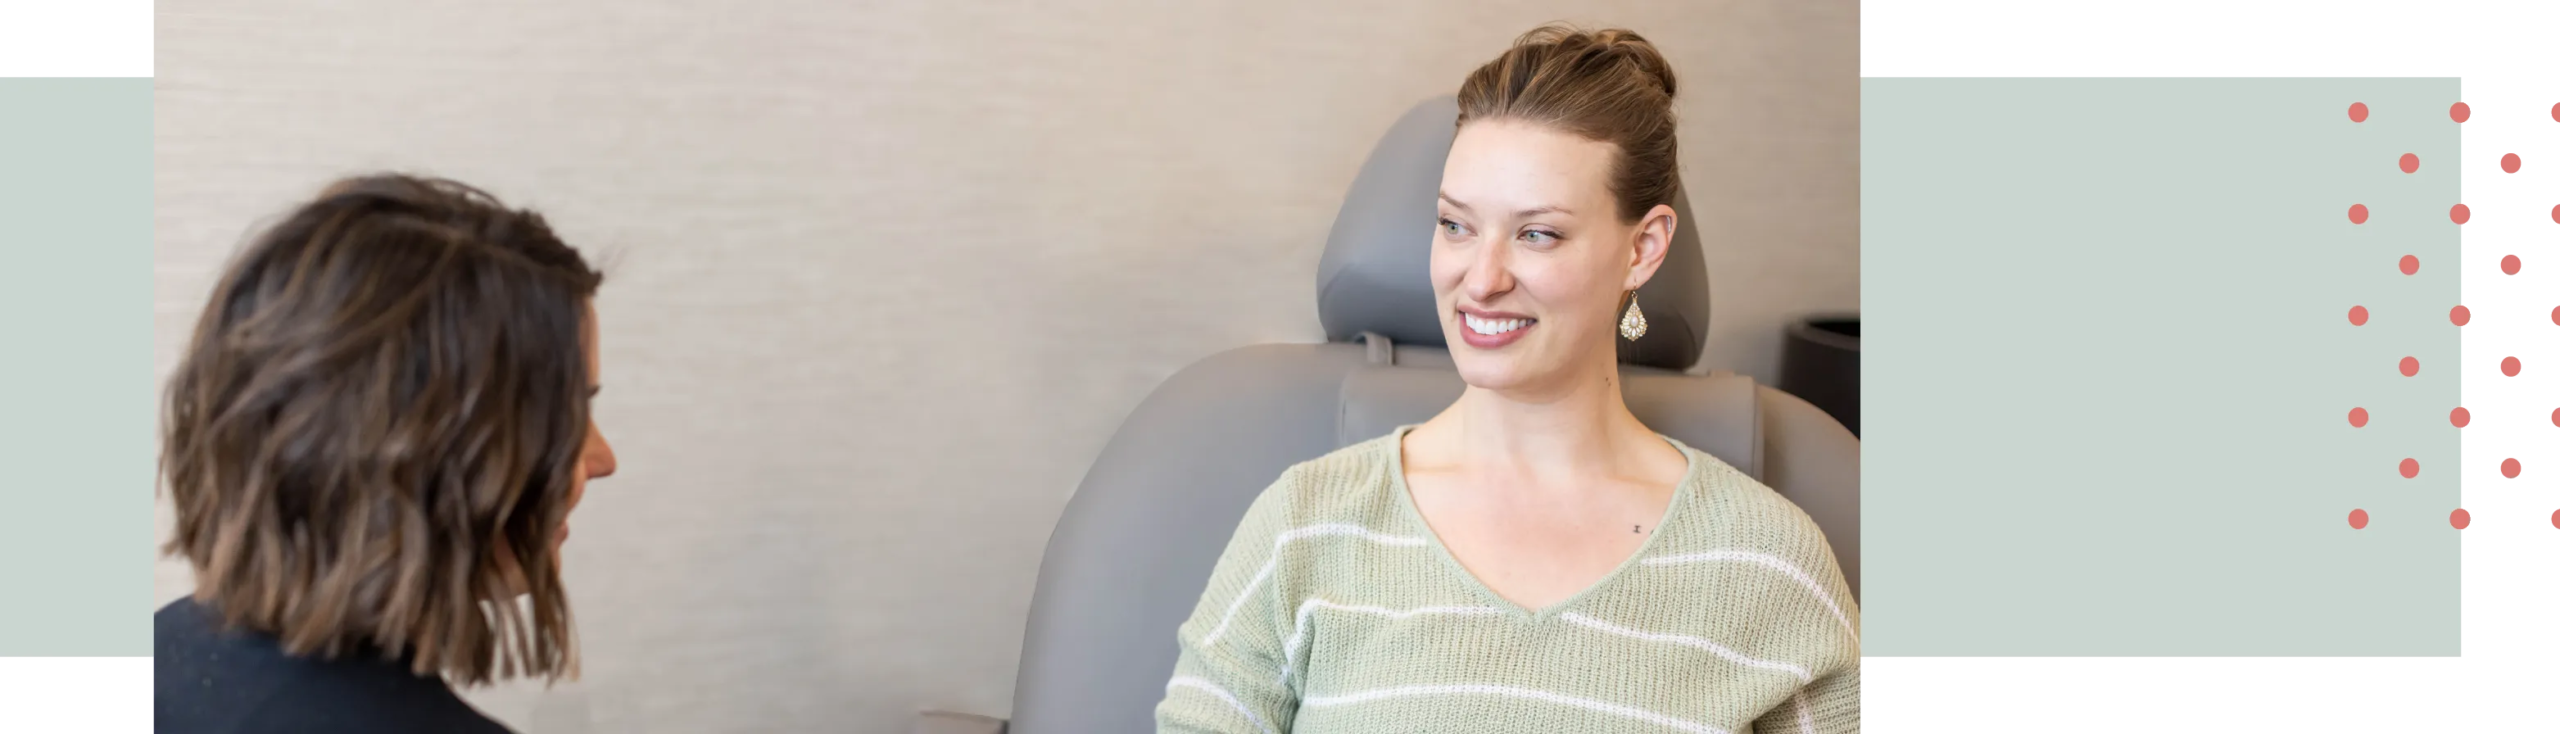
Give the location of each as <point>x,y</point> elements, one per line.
<point>1531,262</point>
<point>595,459</point>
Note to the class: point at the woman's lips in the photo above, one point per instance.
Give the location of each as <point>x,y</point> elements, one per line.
<point>1492,332</point>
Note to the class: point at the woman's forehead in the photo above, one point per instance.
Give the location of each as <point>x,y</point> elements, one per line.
<point>1501,167</point>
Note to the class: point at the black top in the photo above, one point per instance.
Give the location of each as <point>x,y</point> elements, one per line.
<point>215,681</point>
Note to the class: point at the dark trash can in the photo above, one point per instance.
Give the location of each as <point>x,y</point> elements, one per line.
<point>1820,364</point>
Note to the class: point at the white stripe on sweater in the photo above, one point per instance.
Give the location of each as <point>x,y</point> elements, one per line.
<point>1222,694</point>
<point>1697,642</point>
<point>1311,531</point>
<point>1804,716</point>
<point>1766,560</point>
<point>1289,650</point>
<point>1491,690</point>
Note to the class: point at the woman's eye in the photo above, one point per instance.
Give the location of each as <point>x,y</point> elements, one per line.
<point>1452,228</point>
<point>1538,237</point>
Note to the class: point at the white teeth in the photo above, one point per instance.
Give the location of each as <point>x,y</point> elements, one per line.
<point>1489,327</point>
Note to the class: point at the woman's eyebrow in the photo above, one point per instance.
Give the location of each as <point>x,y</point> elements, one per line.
<point>1460,205</point>
<point>1529,212</point>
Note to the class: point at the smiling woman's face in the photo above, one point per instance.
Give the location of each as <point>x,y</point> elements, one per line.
<point>1530,260</point>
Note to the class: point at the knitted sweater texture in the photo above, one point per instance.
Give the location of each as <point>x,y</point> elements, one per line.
<point>1335,609</point>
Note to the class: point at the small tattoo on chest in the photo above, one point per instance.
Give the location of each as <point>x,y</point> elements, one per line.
<point>1639,529</point>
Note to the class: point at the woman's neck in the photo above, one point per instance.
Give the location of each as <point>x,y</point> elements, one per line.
<point>1580,429</point>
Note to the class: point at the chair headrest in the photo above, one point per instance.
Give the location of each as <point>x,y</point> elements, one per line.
<point>1376,271</point>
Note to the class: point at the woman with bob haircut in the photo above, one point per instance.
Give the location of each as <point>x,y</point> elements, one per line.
<point>373,445</point>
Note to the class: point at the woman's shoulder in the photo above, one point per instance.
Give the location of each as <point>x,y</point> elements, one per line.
<point>1349,484</point>
<point>1733,510</point>
<point>1736,528</point>
<point>216,680</point>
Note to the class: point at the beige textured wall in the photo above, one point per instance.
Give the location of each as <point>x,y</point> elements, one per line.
<point>884,276</point>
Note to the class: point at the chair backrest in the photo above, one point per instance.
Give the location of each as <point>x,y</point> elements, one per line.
<point>1135,546</point>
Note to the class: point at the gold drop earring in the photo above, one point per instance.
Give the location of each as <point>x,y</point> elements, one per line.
<point>1632,325</point>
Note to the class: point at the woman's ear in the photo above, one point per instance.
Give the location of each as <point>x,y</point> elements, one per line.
<point>1653,241</point>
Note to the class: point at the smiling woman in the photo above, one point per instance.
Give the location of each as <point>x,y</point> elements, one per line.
<point>1533,558</point>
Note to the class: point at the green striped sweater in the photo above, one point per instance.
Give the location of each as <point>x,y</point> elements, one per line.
<point>1335,609</point>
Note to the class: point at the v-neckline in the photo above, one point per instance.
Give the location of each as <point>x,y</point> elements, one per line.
<point>1404,500</point>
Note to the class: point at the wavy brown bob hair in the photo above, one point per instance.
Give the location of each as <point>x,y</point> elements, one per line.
<point>372,438</point>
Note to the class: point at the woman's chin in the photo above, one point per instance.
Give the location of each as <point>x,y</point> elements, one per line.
<point>1488,373</point>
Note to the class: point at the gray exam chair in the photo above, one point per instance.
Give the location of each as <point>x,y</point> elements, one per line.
<point>1134,549</point>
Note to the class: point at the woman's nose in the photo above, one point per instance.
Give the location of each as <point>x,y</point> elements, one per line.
<point>1489,274</point>
<point>599,454</point>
